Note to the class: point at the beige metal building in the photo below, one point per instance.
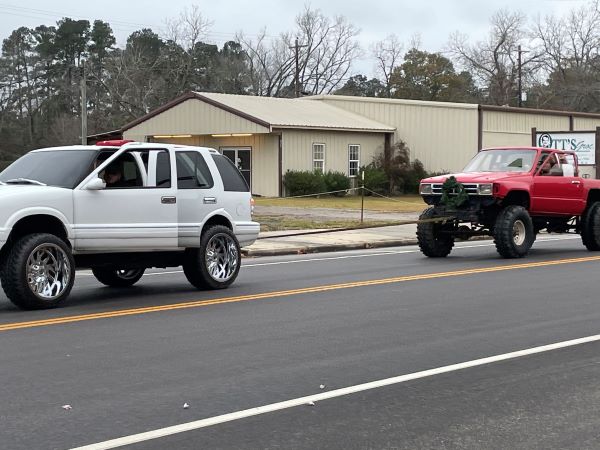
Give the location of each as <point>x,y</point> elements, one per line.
<point>268,136</point>
<point>445,136</point>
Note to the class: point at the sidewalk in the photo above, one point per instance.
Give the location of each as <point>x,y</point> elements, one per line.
<point>269,244</point>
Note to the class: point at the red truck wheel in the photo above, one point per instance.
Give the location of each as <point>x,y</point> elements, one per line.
<point>432,242</point>
<point>513,232</point>
<point>590,229</point>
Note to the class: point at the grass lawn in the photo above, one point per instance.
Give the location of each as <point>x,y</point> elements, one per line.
<point>405,203</point>
<point>277,223</point>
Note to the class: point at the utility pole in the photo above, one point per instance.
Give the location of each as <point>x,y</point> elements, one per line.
<point>297,48</point>
<point>83,105</point>
<point>520,74</point>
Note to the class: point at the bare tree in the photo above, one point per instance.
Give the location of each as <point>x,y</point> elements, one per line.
<point>328,50</point>
<point>271,63</point>
<point>388,55</point>
<point>331,47</point>
<point>187,30</point>
<point>569,48</point>
<point>493,62</point>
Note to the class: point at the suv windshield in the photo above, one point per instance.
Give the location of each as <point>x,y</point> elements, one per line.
<point>517,160</point>
<point>61,168</point>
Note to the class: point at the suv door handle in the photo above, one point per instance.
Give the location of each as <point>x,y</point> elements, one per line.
<point>575,182</point>
<point>168,200</point>
<point>210,200</point>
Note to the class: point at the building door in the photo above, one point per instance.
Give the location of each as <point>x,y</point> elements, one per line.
<point>242,158</point>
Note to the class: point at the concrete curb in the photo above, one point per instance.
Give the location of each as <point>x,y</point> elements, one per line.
<point>315,248</point>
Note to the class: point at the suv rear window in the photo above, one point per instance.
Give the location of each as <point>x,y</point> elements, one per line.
<point>233,180</point>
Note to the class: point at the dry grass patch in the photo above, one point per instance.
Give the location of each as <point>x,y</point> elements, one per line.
<point>278,223</point>
<point>406,203</point>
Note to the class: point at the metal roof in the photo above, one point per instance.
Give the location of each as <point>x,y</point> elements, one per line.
<point>393,101</point>
<point>294,113</point>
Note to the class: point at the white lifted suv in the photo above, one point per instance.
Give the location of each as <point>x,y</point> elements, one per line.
<point>119,208</point>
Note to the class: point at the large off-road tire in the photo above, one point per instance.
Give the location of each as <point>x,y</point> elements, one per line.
<point>118,277</point>
<point>590,228</point>
<point>432,242</point>
<point>513,232</point>
<point>39,271</point>
<point>215,265</point>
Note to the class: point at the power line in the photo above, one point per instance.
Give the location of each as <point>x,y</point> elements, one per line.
<point>38,18</point>
<point>25,12</point>
<point>45,12</point>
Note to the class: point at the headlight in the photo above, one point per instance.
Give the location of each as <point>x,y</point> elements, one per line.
<point>485,189</point>
<point>426,189</point>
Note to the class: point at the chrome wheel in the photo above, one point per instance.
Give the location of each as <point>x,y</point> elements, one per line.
<point>221,257</point>
<point>48,271</point>
<point>519,232</point>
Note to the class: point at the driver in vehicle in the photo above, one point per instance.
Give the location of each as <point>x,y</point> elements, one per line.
<point>567,168</point>
<point>550,166</point>
<point>113,176</point>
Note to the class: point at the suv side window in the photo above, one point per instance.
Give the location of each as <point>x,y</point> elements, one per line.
<point>123,172</point>
<point>233,180</point>
<point>192,171</point>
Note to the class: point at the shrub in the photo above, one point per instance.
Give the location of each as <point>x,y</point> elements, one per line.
<point>336,181</point>
<point>437,174</point>
<point>375,179</point>
<point>411,177</point>
<point>299,182</point>
<point>402,174</point>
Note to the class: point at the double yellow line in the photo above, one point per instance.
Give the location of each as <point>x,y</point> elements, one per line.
<point>277,294</point>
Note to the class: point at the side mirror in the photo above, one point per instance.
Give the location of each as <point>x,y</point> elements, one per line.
<point>96,184</point>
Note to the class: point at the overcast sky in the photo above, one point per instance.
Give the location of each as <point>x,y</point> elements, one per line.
<point>433,20</point>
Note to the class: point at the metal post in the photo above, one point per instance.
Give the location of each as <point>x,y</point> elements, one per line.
<point>297,83</point>
<point>362,198</point>
<point>83,106</point>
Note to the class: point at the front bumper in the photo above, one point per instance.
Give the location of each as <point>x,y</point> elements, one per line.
<point>474,210</point>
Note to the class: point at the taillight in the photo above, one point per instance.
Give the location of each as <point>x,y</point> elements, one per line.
<point>251,206</point>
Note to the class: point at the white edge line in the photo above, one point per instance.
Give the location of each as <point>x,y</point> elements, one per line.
<point>189,426</point>
<point>329,258</point>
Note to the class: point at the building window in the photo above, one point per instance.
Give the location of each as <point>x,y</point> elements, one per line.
<point>319,157</point>
<point>353,160</point>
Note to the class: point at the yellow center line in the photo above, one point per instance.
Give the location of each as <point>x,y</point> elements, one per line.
<point>275,294</point>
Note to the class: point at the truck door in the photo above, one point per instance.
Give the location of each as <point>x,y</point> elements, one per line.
<point>556,188</point>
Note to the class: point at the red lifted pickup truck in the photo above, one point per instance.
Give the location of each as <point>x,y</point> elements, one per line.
<point>510,194</point>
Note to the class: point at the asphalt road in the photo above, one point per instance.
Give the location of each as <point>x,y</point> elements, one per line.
<point>305,325</point>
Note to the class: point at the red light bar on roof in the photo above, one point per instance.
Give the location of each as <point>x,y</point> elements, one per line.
<point>114,143</point>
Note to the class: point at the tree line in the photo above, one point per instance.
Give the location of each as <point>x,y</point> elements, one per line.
<point>42,68</point>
